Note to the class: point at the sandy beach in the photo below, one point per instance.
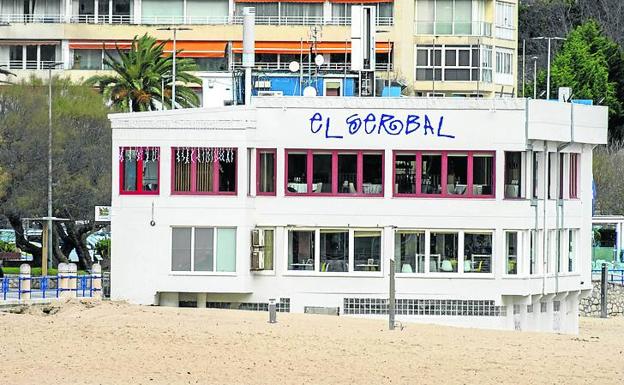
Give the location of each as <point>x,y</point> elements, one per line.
<point>116,343</point>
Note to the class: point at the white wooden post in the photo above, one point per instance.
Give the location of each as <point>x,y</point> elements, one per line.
<point>24,277</point>
<point>96,273</point>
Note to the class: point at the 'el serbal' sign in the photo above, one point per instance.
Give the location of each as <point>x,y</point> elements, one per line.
<point>384,124</point>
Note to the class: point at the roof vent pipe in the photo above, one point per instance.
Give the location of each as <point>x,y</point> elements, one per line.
<point>249,21</point>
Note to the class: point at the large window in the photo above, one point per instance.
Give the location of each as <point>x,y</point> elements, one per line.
<point>513,175</point>
<point>511,252</point>
<point>445,174</point>
<point>443,252</point>
<point>574,175</point>
<point>139,170</point>
<point>204,170</point>
<point>504,62</point>
<point>334,172</point>
<point>409,251</point>
<point>477,252</point>
<point>367,250</point>
<point>266,169</point>
<point>450,17</point>
<point>572,236</point>
<point>454,63</point>
<point>204,249</point>
<point>334,250</point>
<point>301,250</point>
<point>505,20</point>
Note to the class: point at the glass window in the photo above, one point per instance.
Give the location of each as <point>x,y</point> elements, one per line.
<point>227,172</point>
<point>457,176</point>
<point>269,248</point>
<point>443,252</point>
<point>537,160</point>
<point>513,175</point>
<point>367,250</point>
<point>431,168</point>
<point>211,63</point>
<point>204,249</point>
<point>266,172</point>
<point>181,249</point>
<point>87,59</point>
<point>409,251</point>
<point>425,17</point>
<point>482,175</point>
<point>372,174</point>
<point>572,250</point>
<point>322,173</point>
<point>226,250</point>
<point>444,17</point>
<point>463,17</point>
<point>533,252</point>
<point>297,173</point>
<point>334,250</point>
<point>139,170</point>
<point>405,174</point>
<point>477,253</point>
<point>511,251</point>
<point>204,169</point>
<point>574,175</point>
<point>194,170</point>
<point>300,250</point>
<point>347,173</point>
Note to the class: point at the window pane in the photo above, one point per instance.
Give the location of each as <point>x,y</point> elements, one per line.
<point>347,169</point>
<point>405,174</point>
<point>367,250</point>
<point>269,248</point>
<point>87,59</point>
<point>204,175</point>
<point>150,169</point>
<point>464,58</point>
<point>443,252</point>
<point>204,241</point>
<point>130,170</point>
<point>482,173</point>
<point>181,249</point>
<point>301,250</point>
<point>450,58</point>
<point>431,166</point>
<point>227,171</point>
<point>297,173</point>
<point>532,252</point>
<point>512,252</point>
<point>226,250</point>
<point>409,252</point>
<point>334,250</point>
<point>571,250</point>
<point>182,169</point>
<point>513,174</point>
<point>424,16</point>
<point>266,172</point>
<point>372,168</point>
<point>463,17</point>
<point>478,253</point>
<point>457,176</point>
<point>444,17</point>
<point>421,57</point>
<point>322,173</point>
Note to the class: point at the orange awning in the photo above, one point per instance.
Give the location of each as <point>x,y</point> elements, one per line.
<point>295,47</point>
<point>198,48</point>
<point>90,44</point>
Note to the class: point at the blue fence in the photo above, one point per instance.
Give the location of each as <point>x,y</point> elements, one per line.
<point>613,276</point>
<point>14,287</point>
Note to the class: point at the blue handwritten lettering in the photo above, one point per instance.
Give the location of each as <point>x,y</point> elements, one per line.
<point>368,119</point>
<point>354,123</point>
<point>317,117</point>
<point>428,126</point>
<point>412,120</point>
<point>440,130</point>
<point>327,135</point>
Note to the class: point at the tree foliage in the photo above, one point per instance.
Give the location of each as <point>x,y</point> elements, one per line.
<point>143,78</point>
<point>81,161</point>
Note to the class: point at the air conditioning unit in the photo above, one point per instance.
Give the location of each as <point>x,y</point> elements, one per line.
<point>257,260</point>
<point>257,238</point>
<point>270,93</point>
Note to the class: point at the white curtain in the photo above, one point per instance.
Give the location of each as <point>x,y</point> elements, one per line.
<point>302,9</point>
<point>444,17</point>
<point>425,16</point>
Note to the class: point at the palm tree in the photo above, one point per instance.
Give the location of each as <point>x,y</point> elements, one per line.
<point>6,73</point>
<point>143,77</point>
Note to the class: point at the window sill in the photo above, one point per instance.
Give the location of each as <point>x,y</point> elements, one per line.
<point>153,193</point>
<point>263,272</point>
<point>203,273</point>
<point>359,274</point>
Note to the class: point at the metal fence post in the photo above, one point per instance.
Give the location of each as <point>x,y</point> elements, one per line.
<point>272,311</point>
<point>603,292</point>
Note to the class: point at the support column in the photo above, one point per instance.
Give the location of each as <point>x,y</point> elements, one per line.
<point>24,285</point>
<point>96,283</point>
<point>96,10</point>
<point>169,299</point>
<point>201,300</point>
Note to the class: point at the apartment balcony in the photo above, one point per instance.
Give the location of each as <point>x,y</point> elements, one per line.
<point>306,67</point>
<point>474,28</point>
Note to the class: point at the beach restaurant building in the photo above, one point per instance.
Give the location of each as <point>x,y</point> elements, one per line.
<point>484,205</point>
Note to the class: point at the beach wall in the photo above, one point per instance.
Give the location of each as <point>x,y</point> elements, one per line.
<point>590,306</point>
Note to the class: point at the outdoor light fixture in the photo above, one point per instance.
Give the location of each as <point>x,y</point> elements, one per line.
<point>173,80</point>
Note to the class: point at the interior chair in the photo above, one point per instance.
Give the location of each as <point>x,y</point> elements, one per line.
<point>406,268</point>
<point>467,266</point>
<point>446,265</point>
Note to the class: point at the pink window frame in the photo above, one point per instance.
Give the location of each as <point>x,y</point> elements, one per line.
<point>521,197</point>
<point>444,174</point>
<point>260,151</point>
<point>215,176</point>
<point>334,153</point>
<point>139,178</point>
<point>574,176</point>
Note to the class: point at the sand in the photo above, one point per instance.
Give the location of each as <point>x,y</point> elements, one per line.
<point>117,343</point>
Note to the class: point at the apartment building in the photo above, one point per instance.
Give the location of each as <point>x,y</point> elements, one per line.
<point>483,205</point>
<point>433,47</point>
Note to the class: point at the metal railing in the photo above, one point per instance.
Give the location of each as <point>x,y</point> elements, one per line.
<point>434,28</point>
<point>613,275</point>
<point>198,20</point>
<point>27,64</point>
<point>13,287</point>
<point>283,66</point>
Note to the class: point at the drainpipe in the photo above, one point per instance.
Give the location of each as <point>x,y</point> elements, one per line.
<point>545,197</point>
<point>529,148</point>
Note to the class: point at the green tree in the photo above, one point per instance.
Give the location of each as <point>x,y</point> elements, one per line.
<point>81,162</point>
<point>143,78</point>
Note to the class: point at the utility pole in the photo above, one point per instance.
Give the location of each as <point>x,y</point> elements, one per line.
<point>173,85</point>
<point>549,39</point>
<point>534,58</point>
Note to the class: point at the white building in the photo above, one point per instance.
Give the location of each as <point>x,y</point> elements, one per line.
<point>485,205</point>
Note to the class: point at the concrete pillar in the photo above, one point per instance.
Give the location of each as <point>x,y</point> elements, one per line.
<point>201,300</point>
<point>24,276</point>
<point>61,279</point>
<point>96,273</point>
<point>169,299</point>
<point>72,280</point>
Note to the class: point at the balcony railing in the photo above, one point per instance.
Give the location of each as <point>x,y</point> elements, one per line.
<point>475,28</point>
<point>27,64</point>
<point>197,20</point>
<point>305,67</point>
